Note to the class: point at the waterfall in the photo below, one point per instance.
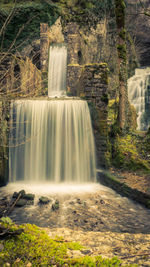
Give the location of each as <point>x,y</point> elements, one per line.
<point>57,70</point>
<point>51,140</point>
<point>139,96</point>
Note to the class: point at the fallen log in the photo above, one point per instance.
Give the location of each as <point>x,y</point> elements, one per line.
<point>4,232</point>
<point>11,206</point>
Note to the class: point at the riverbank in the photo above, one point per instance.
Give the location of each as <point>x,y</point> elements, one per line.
<point>129,184</point>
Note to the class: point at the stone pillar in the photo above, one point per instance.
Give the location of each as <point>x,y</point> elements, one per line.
<point>90,82</point>
<point>95,90</point>
<point>73,43</point>
<point>44,48</point>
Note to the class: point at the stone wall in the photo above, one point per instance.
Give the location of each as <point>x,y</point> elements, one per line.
<point>95,90</point>
<point>30,78</point>
<point>90,82</point>
<point>21,78</point>
<point>73,79</point>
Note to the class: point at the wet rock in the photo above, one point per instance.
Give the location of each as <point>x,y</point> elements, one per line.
<point>79,201</point>
<point>44,200</point>
<point>21,203</point>
<point>74,212</point>
<point>30,202</point>
<point>29,196</point>
<point>102,201</point>
<point>84,204</point>
<point>55,206</point>
<point>16,194</point>
<point>86,252</point>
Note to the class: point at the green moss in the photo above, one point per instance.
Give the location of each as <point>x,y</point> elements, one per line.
<point>112,110</point>
<point>122,34</point>
<point>122,51</point>
<point>95,262</point>
<point>120,13</point>
<point>127,154</point>
<point>84,12</point>
<point>34,246</point>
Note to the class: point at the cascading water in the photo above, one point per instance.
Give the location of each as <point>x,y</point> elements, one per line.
<point>57,70</point>
<point>52,140</point>
<point>139,96</point>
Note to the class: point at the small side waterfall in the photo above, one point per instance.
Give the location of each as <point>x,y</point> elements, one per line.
<point>139,96</point>
<point>57,70</point>
<point>51,141</point>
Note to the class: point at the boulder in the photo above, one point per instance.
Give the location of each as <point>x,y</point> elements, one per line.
<point>21,203</point>
<point>55,206</point>
<point>16,194</point>
<point>29,196</point>
<point>44,200</point>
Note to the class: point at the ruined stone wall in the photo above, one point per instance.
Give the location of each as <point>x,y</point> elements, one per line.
<point>30,78</point>
<point>90,82</point>
<point>23,79</point>
<point>85,78</point>
<point>95,90</point>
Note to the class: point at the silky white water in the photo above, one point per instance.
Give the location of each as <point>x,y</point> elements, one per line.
<point>51,141</point>
<point>137,92</point>
<point>57,70</point>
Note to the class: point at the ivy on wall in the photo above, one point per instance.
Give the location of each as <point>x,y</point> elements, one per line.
<point>85,12</point>
<point>24,23</point>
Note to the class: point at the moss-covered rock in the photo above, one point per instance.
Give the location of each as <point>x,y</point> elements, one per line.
<point>21,203</point>
<point>33,247</point>
<point>44,200</point>
<point>55,205</point>
<point>127,154</point>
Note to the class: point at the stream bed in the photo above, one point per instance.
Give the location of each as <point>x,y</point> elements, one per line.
<point>90,207</point>
<point>102,221</point>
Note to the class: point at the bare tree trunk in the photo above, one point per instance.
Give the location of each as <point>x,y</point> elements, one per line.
<point>121,48</point>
